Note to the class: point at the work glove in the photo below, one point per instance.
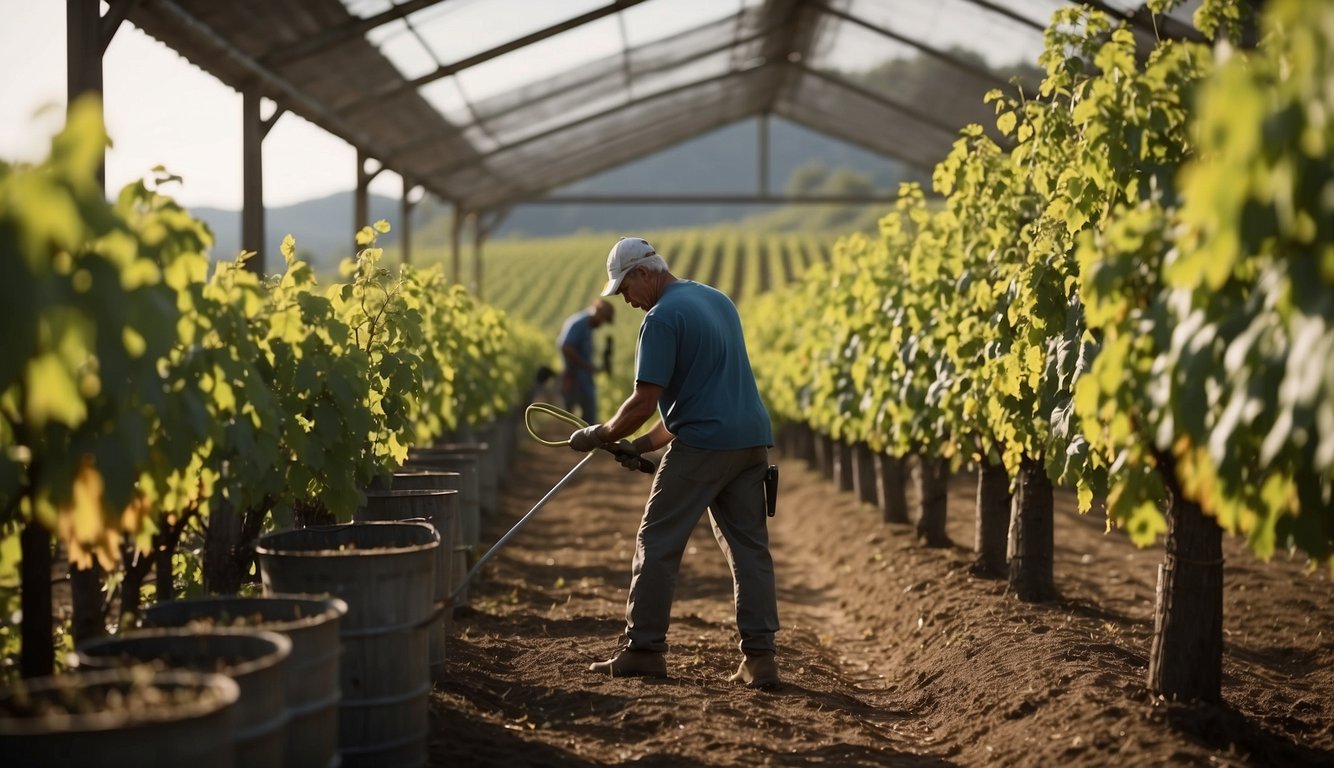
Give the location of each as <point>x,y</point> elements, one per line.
<point>585,440</point>
<point>631,455</point>
<point>626,453</point>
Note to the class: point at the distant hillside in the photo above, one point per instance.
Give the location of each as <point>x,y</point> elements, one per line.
<point>323,227</point>
<point>722,162</point>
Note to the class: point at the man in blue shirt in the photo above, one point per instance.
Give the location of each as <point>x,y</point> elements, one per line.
<point>576,349</point>
<point>692,369</point>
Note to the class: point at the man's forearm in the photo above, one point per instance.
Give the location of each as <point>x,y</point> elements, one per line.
<point>577,360</point>
<point>637,409</point>
<point>653,439</point>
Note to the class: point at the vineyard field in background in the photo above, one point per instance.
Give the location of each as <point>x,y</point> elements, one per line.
<point>543,281</point>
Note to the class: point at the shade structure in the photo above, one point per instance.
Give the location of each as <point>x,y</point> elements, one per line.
<point>493,102</point>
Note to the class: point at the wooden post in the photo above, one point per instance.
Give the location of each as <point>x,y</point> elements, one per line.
<point>405,224</point>
<point>1031,535</point>
<point>893,499</point>
<point>478,238</point>
<point>843,466</point>
<point>455,236</point>
<point>361,205</point>
<point>763,160</point>
<point>863,477</point>
<point>83,57</point>
<point>164,581</point>
<point>933,497</point>
<point>807,442</point>
<point>37,654</point>
<point>1186,655</point>
<point>484,224</point>
<point>252,183</point>
<point>221,575</point>
<point>993,520</point>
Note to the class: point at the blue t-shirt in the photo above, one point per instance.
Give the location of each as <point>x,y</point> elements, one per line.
<point>692,346</point>
<point>578,333</point>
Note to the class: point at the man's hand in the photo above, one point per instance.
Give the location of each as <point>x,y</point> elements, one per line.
<point>586,439</point>
<point>631,454</point>
<point>626,453</point>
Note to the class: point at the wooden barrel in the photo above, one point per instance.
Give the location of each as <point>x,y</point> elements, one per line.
<point>488,470</point>
<point>440,506</point>
<point>385,572</point>
<point>409,478</point>
<point>120,718</point>
<point>311,623</point>
<point>255,659</point>
<point>470,524</point>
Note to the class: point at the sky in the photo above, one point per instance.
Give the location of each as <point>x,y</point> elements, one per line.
<point>160,110</point>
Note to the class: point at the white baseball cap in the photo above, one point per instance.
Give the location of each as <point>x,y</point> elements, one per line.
<point>628,253</point>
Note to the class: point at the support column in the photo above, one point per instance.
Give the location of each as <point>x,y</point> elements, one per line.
<point>484,224</point>
<point>84,44</point>
<point>456,233</point>
<point>478,238</point>
<point>360,204</point>
<point>405,215</point>
<point>83,57</point>
<point>762,163</point>
<point>361,207</point>
<point>252,179</point>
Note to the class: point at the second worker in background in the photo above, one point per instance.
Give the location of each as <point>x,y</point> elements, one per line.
<point>576,350</point>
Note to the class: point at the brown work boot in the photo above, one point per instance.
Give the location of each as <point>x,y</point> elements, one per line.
<point>628,663</point>
<point>757,670</point>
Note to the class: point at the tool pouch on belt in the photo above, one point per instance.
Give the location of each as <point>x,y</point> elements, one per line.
<point>771,489</point>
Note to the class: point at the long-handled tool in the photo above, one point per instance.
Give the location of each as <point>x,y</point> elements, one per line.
<point>644,466</point>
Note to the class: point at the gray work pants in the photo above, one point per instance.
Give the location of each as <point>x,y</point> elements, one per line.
<point>730,484</point>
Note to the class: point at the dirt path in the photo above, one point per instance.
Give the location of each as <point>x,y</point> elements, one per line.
<point>892,654</point>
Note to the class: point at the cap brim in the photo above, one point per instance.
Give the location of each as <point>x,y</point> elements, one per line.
<point>613,286</point>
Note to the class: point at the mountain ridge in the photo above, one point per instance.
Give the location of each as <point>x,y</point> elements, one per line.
<point>724,161</point>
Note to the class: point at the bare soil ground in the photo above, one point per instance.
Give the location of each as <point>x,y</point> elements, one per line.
<point>892,654</point>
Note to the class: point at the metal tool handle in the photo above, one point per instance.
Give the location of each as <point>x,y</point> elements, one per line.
<point>645,465</point>
<point>458,588</point>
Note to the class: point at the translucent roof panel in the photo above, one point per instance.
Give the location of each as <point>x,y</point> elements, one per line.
<point>457,29</point>
<point>571,48</point>
<point>967,28</point>
<point>656,20</point>
<point>486,102</point>
<point>1037,12</point>
<point>623,78</point>
<point>404,49</point>
<point>445,95</point>
<point>537,166</point>
<point>854,50</point>
<point>912,133</point>
<point>596,103</point>
<point>365,8</point>
<point>662,79</point>
<point>946,87</point>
